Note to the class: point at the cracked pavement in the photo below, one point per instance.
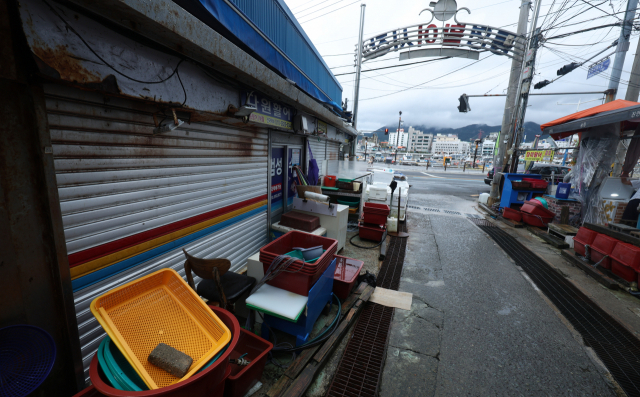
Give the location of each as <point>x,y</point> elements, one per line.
<point>476,326</point>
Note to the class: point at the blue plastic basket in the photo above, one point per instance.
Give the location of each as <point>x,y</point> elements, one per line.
<point>27,354</point>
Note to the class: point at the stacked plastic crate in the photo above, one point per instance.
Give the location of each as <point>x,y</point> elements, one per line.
<point>374,221</point>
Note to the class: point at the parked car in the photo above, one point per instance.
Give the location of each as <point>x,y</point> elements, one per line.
<point>489,177</point>
<point>545,170</point>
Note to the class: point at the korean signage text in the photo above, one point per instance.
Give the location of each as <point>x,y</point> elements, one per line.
<point>598,67</point>
<point>538,155</point>
<point>267,111</point>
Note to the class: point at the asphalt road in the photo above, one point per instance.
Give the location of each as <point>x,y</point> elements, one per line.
<point>453,183</point>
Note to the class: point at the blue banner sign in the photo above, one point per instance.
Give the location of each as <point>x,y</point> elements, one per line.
<point>598,67</point>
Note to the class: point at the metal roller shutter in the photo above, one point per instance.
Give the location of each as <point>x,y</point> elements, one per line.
<point>333,149</point>
<point>318,148</point>
<point>131,200</point>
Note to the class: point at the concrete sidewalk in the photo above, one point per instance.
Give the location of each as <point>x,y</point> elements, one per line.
<point>477,325</point>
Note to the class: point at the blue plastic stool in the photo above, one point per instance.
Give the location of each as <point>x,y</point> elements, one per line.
<point>319,296</point>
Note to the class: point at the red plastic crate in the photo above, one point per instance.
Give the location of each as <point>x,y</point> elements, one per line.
<point>536,220</point>
<point>624,272</point>
<point>536,183</point>
<point>244,378</point>
<point>298,282</point>
<point>300,221</point>
<point>330,181</point>
<point>370,231</point>
<point>376,214</point>
<point>294,238</point>
<point>602,245</point>
<point>534,207</point>
<point>347,271</point>
<point>208,382</point>
<point>584,237</point>
<point>627,254</point>
<point>510,213</point>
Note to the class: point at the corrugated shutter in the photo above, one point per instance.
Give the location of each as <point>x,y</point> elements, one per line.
<point>333,149</point>
<point>318,148</point>
<point>131,200</point>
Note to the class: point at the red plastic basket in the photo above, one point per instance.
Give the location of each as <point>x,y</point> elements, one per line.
<point>370,231</point>
<point>330,181</point>
<point>295,238</point>
<point>536,220</point>
<point>300,221</point>
<point>627,254</point>
<point>209,381</point>
<point>376,214</point>
<point>534,207</point>
<point>347,271</point>
<point>536,183</point>
<point>244,378</point>
<point>510,213</point>
<point>299,283</point>
<point>584,237</point>
<point>624,272</point>
<point>603,245</point>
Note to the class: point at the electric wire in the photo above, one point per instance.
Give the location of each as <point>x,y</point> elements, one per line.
<point>319,16</point>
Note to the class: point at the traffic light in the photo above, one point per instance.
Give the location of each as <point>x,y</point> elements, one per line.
<point>386,131</point>
<point>464,104</point>
<point>541,84</point>
<point>567,68</point>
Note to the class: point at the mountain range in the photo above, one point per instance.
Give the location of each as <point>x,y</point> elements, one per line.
<point>467,133</point>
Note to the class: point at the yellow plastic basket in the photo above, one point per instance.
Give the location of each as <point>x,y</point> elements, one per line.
<point>160,308</point>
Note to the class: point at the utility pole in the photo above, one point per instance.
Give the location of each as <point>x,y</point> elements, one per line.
<point>516,66</point>
<point>398,137</point>
<point>616,73</point>
<point>475,153</point>
<point>358,67</point>
<point>524,87</point>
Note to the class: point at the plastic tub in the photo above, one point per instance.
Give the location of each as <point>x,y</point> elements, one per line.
<point>520,185</point>
<point>603,245</point>
<point>300,221</point>
<point>370,231</point>
<point>244,378</point>
<point>627,254</point>
<point>349,203</point>
<point>392,225</point>
<point>536,220</point>
<point>536,184</point>
<point>346,184</point>
<point>90,391</point>
<point>345,276</point>
<point>584,237</point>
<point>311,253</point>
<point>542,201</point>
<point>208,382</point>
<point>330,181</point>
<point>512,214</point>
<point>624,272</point>
<point>298,282</point>
<point>534,207</point>
<point>563,190</point>
<point>375,213</point>
<point>295,238</point>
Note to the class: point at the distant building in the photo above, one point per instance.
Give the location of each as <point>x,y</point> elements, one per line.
<point>403,140</point>
<point>449,144</point>
<point>488,147</point>
<point>419,141</point>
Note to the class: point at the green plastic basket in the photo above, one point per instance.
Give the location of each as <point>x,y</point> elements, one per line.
<point>352,204</point>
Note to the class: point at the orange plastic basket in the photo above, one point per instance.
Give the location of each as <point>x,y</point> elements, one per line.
<point>160,308</point>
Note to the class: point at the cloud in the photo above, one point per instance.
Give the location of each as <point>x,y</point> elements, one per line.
<point>435,103</point>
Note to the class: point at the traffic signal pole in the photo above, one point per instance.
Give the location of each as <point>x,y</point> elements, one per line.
<point>516,66</point>
<point>397,138</point>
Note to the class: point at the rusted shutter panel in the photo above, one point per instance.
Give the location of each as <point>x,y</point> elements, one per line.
<point>333,148</point>
<point>132,199</point>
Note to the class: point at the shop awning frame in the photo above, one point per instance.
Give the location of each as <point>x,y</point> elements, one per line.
<point>629,114</point>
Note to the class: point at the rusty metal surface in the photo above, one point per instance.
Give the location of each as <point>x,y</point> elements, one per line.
<point>35,283</point>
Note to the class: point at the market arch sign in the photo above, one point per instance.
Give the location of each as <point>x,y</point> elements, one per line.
<point>459,39</point>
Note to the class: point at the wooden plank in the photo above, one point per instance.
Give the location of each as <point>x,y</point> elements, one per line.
<point>279,387</point>
<point>611,233</point>
<point>512,223</point>
<point>299,386</point>
<point>333,341</point>
<point>590,270</point>
<point>299,363</point>
<point>556,242</point>
<point>564,214</point>
<point>364,296</point>
<point>564,230</point>
<point>360,288</point>
<point>622,228</point>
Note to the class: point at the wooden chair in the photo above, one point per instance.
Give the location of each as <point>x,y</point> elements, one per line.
<point>218,283</point>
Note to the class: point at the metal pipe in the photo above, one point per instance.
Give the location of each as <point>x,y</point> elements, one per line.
<point>358,68</point>
<point>398,137</point>
<point>548,93</point>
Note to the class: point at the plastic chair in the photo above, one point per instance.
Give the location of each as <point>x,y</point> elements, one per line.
<point>218,283</point>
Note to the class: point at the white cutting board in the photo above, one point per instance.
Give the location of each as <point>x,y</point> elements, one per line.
<point>278,301</point>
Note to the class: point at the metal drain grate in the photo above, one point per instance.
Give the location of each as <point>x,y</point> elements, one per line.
<point>431,209</point>
<point>452,212</point>
<point>618,348</point>
<point>360,368</point>
<point>414,207</point>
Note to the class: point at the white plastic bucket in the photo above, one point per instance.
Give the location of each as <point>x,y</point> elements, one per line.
<point>392,225</point>
<point>484,198</point>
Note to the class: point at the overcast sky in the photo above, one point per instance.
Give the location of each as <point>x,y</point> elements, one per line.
<point>434,104</point>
